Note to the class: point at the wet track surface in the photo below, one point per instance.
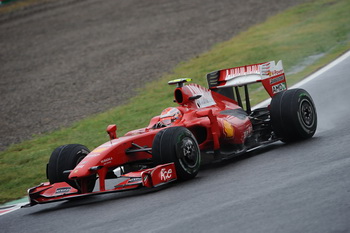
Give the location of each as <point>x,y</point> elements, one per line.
<point>300,187</point>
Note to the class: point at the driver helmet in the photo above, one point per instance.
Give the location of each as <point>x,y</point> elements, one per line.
<point>170,115</point>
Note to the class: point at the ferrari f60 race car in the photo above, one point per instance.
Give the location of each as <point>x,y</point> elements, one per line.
<point>214,122</point>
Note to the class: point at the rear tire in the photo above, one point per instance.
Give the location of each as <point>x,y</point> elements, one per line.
<point>177,145</point>
<point>65,158</point>
<point>293,115</point>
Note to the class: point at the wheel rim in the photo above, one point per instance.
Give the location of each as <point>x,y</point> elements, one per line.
<point>189,152</point>
<point>306,113</point>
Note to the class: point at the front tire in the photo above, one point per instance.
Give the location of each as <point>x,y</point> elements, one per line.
<point>66,158</point>
<point>293,115</point>
<point>177,145</point>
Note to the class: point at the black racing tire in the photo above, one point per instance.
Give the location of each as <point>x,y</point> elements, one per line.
<point>66,158</point>
<point>293,115</point>
<point>177,145</point>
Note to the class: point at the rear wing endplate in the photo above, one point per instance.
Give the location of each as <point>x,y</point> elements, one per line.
<point>270,74</point>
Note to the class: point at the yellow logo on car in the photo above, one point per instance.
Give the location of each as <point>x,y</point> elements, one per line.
<point>99,149</point>
<point>228,129</point>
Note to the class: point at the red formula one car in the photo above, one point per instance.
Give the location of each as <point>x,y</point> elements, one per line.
<point>207,122</point>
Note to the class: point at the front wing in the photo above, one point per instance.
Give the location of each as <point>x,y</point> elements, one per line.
<point>151,177</point>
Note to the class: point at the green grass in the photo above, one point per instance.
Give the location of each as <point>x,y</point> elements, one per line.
<point>319,27</point>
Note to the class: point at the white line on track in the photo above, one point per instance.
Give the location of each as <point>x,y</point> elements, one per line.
<point>323,70</point>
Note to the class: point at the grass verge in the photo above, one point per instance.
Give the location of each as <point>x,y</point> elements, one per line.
<point>305,37</point>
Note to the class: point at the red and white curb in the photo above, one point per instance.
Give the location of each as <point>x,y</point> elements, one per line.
<point>10,208</point>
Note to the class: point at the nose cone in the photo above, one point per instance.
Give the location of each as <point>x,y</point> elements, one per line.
<point>83,168</point>
<point>97,157</point>
<point>79,172</point>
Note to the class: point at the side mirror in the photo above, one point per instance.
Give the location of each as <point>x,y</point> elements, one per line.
<point>112,131</point>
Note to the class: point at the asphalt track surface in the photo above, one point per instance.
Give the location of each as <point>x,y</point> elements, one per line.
<point>64,60</point>
<point>300,187</point>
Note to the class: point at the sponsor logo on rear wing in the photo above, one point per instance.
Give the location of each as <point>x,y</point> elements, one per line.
<point>269,73</point>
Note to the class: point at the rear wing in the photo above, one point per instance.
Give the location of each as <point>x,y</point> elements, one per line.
<point>270,74</point>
